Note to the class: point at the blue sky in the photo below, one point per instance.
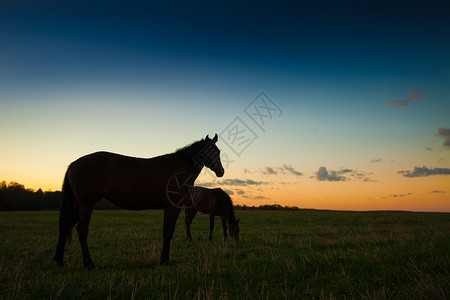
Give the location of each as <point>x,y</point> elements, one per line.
<point>145,78</point>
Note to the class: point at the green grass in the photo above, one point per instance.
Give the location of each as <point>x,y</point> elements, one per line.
<point>281,254</point>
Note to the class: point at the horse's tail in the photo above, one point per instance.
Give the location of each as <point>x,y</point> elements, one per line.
<point>67,215</point>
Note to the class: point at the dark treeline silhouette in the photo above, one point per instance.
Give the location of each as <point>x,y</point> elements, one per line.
<point>14,196</point>
<point>266,207</point>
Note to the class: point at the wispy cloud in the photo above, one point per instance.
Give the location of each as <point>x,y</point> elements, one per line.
<point>377,160</point>
<point>437,192</point>
<point>285,169</point>
<point>445,134</point>
<point>415,95</point>
<point>290,170</point>
<point>424,171</point>
<point>232,182</point>
<point>401,195</point>
<point>343,171</point>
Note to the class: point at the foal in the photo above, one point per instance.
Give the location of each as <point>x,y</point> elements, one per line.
<point>214,202</point>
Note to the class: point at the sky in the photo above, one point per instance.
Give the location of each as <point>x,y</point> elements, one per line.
<point>318,104</point>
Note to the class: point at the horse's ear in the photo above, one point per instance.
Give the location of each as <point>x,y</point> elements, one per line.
<point>215,138</point>
<point>207,137</point>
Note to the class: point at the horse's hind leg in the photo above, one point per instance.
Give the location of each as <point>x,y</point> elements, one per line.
<point>82,229</point>
<point>65,233</point>
<point>224,226</point>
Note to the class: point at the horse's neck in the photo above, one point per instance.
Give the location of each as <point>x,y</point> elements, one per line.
<point>228,212</point>
<point>195,166</point>
<point>185,163</point>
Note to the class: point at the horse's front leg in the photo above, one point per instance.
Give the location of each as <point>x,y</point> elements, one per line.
<point>211,226</point>
<point>170,220</point>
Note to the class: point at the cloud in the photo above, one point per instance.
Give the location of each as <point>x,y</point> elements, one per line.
<point>229,192</point>
<point>240,182</point>
<point>437,192</point>
<point>445,134</point>
<point>399,195</point>
<point>269,171</point>
<point>330,175</point>
<point>260,198</point>
<point>424,171</point>
<point>285,169</point>
<point>240,192</point>
<point>343,171</point>
<point>291,170</point>
<point>377,160</point>
<point>323,175</point>
<point>231,182</point>
<point>207,184</point>
<point>405,102</point>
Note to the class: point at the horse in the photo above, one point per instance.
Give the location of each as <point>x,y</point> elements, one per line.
<point>130,183</point>
<point>215,202</point>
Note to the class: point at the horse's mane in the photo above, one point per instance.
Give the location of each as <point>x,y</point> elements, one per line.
<point>228,200</point>
<point>191,149</point>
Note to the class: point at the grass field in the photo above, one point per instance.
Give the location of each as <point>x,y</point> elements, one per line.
<point>281,254</point>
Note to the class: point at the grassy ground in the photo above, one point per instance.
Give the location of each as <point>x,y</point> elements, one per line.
<point>282,254</point>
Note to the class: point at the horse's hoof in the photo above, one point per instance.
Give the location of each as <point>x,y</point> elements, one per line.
<point>59,262</point>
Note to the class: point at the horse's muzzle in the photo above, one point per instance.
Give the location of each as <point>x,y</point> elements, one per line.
<point>220,172</point>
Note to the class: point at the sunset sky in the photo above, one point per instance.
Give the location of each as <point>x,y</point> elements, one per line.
<point>338,104</point>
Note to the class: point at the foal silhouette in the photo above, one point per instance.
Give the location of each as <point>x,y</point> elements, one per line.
<point>214,202</point>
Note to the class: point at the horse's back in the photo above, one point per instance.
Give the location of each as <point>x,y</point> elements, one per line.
<point>128,182</point>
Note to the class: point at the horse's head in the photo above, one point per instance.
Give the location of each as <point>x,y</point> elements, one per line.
<point>211,155</point>
<point>234,231</point>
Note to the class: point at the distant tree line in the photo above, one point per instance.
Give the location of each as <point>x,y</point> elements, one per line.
<point>14,196</point>
<point>266,207</point>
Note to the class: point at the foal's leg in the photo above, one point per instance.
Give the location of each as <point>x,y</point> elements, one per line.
<point>170,220</point>
<point>190,214</point>
<point>224,226</point>
<point>211,226</point>
<point>82,229</point>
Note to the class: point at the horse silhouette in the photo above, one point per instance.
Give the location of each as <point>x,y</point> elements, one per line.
<point>130,183</point>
